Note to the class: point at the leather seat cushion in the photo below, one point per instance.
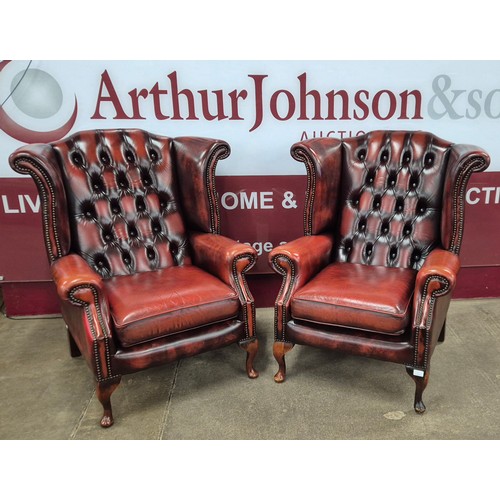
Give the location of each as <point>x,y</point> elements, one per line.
<point>372,298</point>
<point>151,305</point>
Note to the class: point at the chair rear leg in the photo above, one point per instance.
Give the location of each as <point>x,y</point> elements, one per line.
<point>73,348</point>
<point>421,384</point>
<point>279,351</point>
<point>443,333</point>
<point>104,389</point>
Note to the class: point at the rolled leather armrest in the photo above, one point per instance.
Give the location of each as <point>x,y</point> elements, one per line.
<point>229,261</point>
<point>75,279</point>
<point>303,257</point>
<point>297,261</point>
<point>433,287</point>
<point>81,292</point>
<point>440,265</point>
<point>222,256</point>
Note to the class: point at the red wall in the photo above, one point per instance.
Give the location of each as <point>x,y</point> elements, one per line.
<point>262,211</point>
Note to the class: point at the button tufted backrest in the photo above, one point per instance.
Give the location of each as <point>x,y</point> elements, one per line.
<point>124,211</point>
<point>391,198</point>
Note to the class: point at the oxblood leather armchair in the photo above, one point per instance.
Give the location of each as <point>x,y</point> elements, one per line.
<point>131,227</point>
<point>374,273</point>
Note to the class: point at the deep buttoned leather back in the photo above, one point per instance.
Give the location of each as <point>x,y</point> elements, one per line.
<point>391,197</point>
<point>123,206</point>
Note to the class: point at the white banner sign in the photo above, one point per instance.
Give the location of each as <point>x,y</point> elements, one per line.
<point>260,107</point>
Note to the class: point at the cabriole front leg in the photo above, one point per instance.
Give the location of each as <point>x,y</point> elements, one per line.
<point>421,379</point>
<point>104,389</point>
<point>279,351</point>
<point>251,346</point>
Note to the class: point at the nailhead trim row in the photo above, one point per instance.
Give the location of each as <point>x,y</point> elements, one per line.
<point>301,155</point>
<point>220,153</point>
<point>245,293</point>
<point>281,270</point>
<point>474,164</point>
<point>35,172</point>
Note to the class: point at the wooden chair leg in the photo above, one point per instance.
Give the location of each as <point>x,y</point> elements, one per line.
<point>251,346</point>
<point>421,384</point>
<point>104,390</point>
<point>73,348</point>
<point>279,351</point>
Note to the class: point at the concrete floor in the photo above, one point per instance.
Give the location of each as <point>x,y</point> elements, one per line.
<point>46,394</point>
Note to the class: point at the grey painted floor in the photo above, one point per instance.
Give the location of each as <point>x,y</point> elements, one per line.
<point>48,395</point>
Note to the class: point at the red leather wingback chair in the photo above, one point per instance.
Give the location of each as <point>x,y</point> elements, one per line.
<point>131,226</point>
<point>374,273</point>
